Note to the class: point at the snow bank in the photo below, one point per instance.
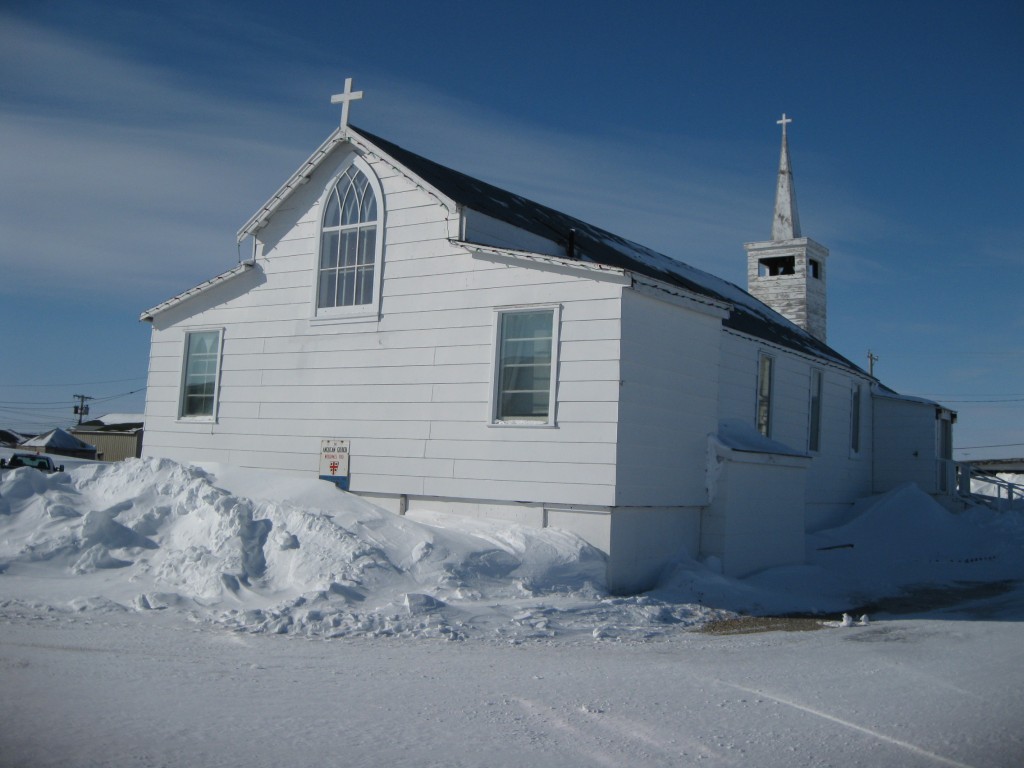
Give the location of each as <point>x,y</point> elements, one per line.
<point>262,552</point>
<point>896,544</point>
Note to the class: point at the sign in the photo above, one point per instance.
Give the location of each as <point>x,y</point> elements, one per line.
<point>334,462</point>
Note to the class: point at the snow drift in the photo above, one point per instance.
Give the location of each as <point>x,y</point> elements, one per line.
<point>273,553</point>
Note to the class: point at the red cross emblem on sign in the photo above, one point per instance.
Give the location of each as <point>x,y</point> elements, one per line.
<point>334,467</point>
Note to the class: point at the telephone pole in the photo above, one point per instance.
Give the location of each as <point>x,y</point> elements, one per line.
<point>82,409</point>
<point>872,359</point>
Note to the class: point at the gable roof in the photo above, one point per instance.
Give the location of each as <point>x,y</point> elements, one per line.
<point>11,438</point>
<point>589,243</point>
<point>58,439</point>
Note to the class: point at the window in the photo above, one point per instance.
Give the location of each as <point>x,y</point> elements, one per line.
<point>814,435</point>
<point>199,375</point>
<point>764,395</point>
<point>945,466</point>
<point>814,268</point>
<point>855,419</point>
<point>348,275</point>
<point>525,368</point>
<point>776,265</point>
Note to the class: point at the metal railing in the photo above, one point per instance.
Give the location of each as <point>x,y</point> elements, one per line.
<point>987,488</point>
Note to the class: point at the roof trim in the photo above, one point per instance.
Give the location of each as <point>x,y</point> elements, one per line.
<point>349,135</point>
<point>259,219</point>
<point>652,287</point>
<point>191,293</point>
<point>512,256</point>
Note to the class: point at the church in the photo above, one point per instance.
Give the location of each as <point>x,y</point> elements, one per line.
<point>432,342</point>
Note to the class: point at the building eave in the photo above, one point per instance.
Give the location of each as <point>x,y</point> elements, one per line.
<point>531,259</point>
<point>350,135</point>
<point>191,293</point>
<point>259,219</point>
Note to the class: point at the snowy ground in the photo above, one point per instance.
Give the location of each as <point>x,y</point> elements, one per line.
<point>155,614</point>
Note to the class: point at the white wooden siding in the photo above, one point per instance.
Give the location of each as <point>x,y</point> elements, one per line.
<point>835,477</point>
<point>668,402</point>
<point>410,389</point>
<point>905,444</point>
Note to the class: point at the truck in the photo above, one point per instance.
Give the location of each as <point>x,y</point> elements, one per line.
<point>42,463</point>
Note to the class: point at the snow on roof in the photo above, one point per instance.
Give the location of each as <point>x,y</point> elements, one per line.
<point>10,437</point>
<point>59,439</point>
<point>741,436</point>
<point>749,316</point>
<point>122,418</point>
<point>880,390</point>
<point>113,422</point>
<point>590,243</point>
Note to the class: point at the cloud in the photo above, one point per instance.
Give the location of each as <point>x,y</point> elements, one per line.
<point>119,168</point>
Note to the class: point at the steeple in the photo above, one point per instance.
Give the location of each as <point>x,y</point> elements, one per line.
<point>788,272</point>
<point>786,224</point>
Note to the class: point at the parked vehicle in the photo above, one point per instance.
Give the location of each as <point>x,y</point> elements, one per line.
<point>42,463</point>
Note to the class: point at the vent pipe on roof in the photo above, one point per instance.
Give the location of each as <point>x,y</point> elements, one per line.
<point>570,246</point>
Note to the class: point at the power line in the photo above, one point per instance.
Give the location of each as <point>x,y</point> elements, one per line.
<point>50,404</point>
<point>1003,445</point>
<point>971,394</point>
<point>1011,400</point>
<point>77,384</point>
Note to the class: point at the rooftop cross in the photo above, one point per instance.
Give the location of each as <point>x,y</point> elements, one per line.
<point>344,98</point>
<point>784,122</point>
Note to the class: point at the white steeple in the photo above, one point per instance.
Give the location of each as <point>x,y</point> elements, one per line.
<point>786,224</point>
<point>788,272</point>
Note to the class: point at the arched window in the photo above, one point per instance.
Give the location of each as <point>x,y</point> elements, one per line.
<point>348,243</point>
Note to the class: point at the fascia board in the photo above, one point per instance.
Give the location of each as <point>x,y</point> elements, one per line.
<point>308,168</point>
<point>191,293</point>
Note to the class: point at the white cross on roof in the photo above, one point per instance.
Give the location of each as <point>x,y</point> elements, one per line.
<point>784,121</point>
<point>344,98</point>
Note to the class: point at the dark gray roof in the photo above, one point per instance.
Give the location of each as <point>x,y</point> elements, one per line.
<point>594,244</point>
<point>97,425</point>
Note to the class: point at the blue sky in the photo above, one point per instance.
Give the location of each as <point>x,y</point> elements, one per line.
<point>136,138</point>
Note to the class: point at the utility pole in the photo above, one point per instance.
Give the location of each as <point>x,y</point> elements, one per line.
<point>82,409</point>
<point>871,364</point>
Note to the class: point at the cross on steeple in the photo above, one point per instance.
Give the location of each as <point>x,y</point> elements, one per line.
<point>784,122</point>
<point>344,98</point>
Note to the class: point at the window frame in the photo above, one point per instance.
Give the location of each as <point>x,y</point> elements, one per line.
<point>814,410</point>
<point>856,420</point>
<point>496,345</point>
<point>351,312</point>
<point>183,384</point>
<point>762,359</point>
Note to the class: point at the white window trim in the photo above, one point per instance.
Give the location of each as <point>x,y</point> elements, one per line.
<point>204,418</point>
<point>356,312</point>
<point>771,393</point>
<point>556,325</point>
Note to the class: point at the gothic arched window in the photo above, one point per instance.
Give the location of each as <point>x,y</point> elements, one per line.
<point>348,274</point>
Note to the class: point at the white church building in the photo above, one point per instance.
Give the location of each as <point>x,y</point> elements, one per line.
<point>432,342</point>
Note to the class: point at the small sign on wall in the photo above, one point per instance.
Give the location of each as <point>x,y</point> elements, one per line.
<point>334,462</point>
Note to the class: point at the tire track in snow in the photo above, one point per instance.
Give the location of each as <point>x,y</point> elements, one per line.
<point>625,732</point>
<point>853,726</point>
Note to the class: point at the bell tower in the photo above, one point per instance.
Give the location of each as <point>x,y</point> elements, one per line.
<point>788,272</point>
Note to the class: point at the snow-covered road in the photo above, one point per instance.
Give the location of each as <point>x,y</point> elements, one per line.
<point>154,689</point>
